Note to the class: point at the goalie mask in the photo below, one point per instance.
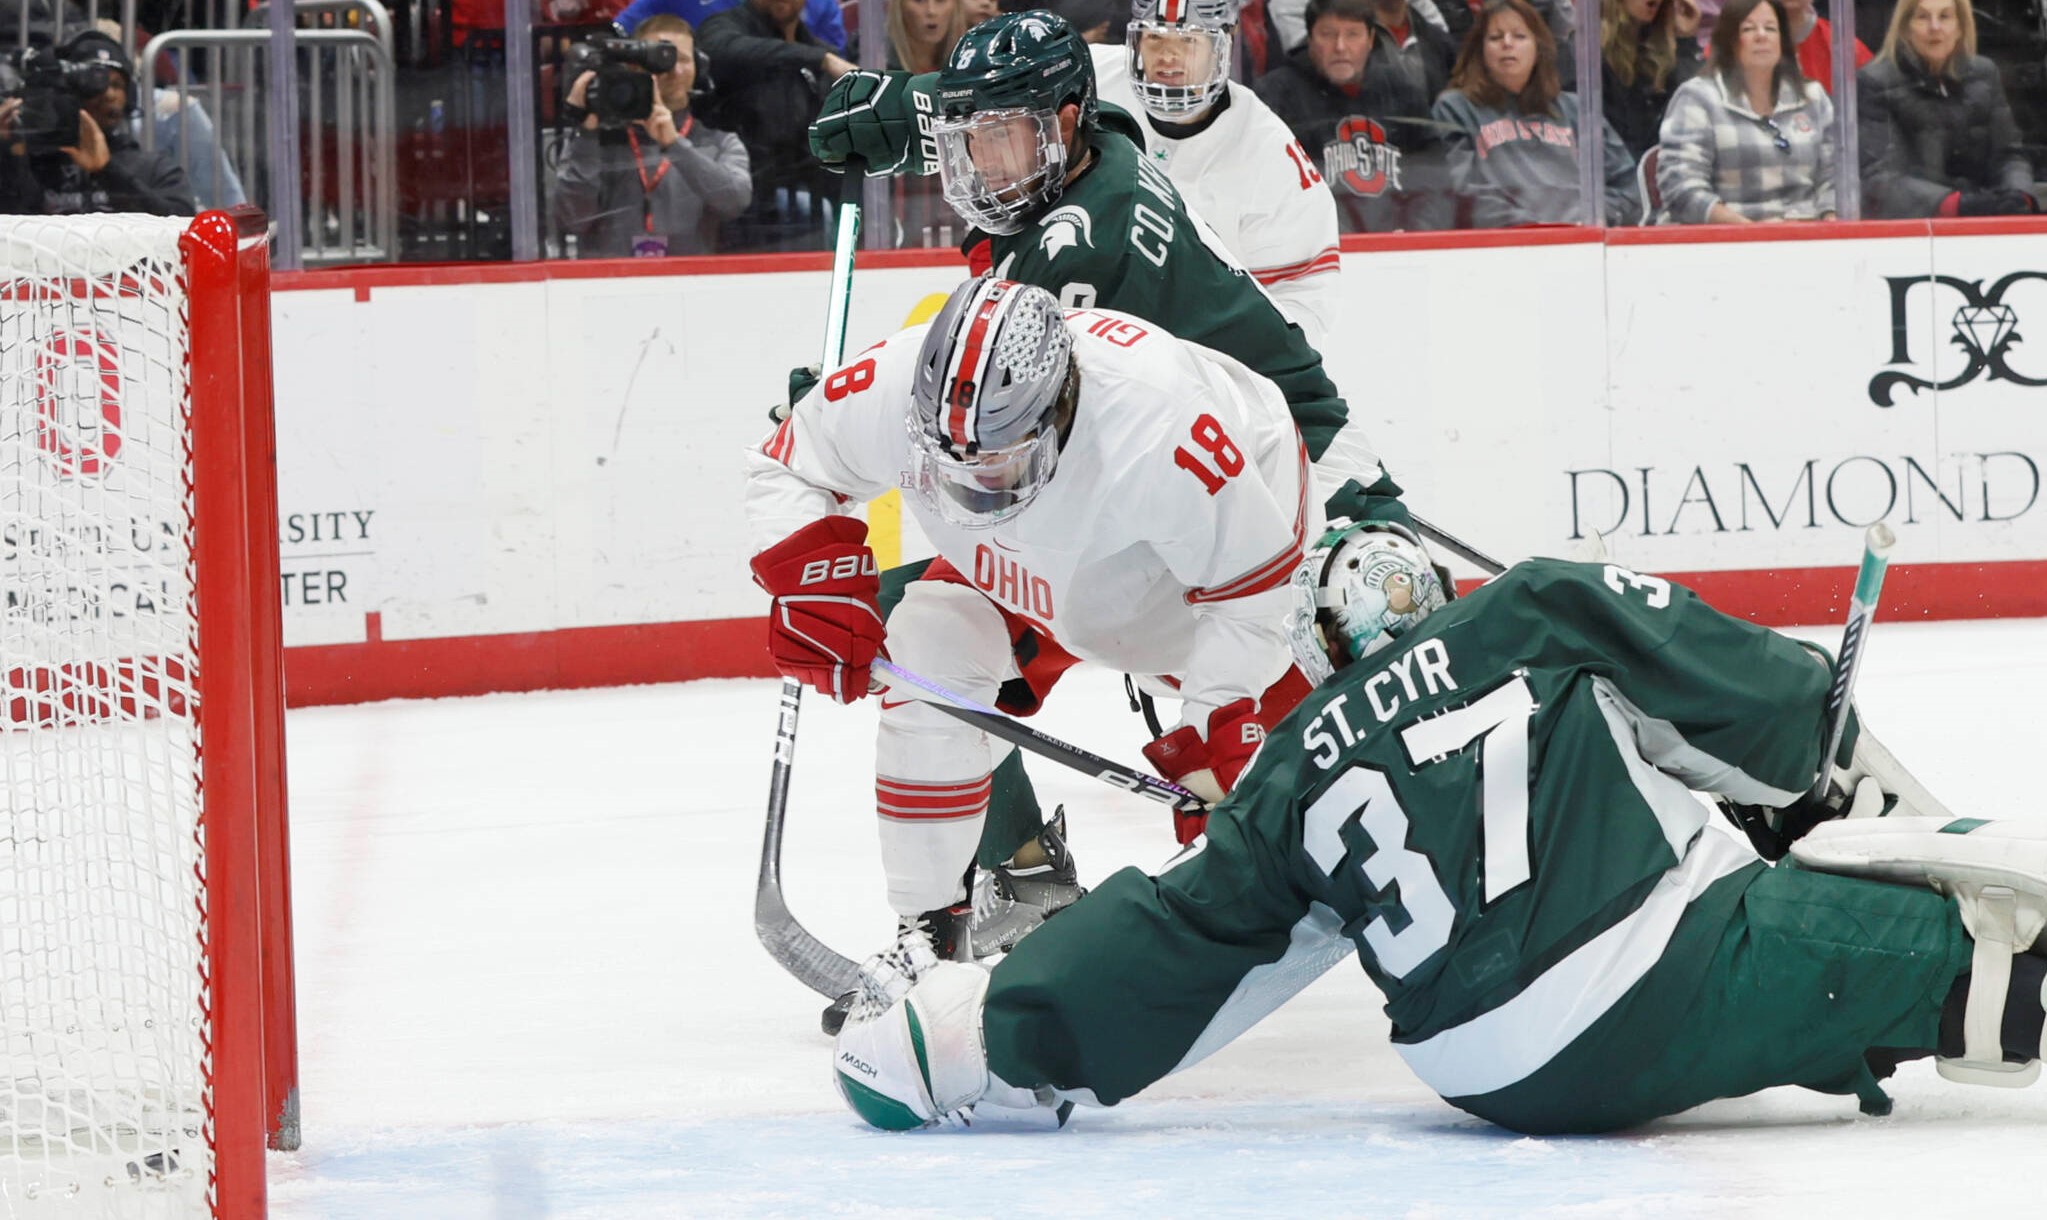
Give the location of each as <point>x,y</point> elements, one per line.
<point>994,392</point>
<point>1360,588</point>
<point>1180,55</point>
<point>1001,155</point>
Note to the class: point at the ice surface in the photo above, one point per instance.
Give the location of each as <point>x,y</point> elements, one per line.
<point>529,987</point>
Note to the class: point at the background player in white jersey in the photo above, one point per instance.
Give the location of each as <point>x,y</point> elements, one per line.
<point>1097,490</point>
<point>1238,166</point>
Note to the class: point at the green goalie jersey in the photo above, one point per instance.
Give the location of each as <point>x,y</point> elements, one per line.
<point>1467,809</point>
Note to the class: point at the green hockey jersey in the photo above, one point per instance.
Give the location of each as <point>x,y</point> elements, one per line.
<point>1496,815</point>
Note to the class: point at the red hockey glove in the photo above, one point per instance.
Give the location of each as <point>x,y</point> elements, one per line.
<point>825,627</point>
<point>1207,767</point>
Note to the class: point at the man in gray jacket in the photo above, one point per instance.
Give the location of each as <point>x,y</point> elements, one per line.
<point>659,186</point>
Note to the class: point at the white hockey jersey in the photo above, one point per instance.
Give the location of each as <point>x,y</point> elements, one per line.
<point>1165,540</point>
<point>1262,194</point>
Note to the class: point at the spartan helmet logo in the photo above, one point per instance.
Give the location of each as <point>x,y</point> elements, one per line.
<point>1984,326</point>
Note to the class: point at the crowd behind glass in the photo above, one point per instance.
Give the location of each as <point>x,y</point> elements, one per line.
<point>1420,114</point>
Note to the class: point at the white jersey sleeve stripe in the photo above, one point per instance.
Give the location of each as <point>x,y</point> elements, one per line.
<point>1275,571</point>
<point>1327,261</point>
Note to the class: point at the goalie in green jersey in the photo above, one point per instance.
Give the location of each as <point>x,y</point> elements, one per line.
<point>1493,805</point>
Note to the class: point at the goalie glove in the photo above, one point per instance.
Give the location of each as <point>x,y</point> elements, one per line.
<point>825,628</point>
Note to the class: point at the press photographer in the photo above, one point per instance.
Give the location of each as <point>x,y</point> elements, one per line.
<point>66,143</point>
<point>641,175</point>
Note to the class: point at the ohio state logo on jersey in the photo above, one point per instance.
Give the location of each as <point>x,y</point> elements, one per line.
<point>1361,159</point>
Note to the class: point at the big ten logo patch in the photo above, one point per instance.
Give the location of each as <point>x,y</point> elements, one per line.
<point>1980,322</point>
<point>1361,158</point>
<point>1012,584</point>
<point>77,383</point>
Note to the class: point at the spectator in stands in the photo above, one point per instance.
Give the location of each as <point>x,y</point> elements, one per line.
<point>105,168</point>
<point>1750,138</point>
<point>1814,36</point>
<point>1936,131</point>
<point>185,131</point>
<point>1095,19</point>
<point>1512,129</point>
<point>1405,34</point>
<point>660,186</point>
<point>1356,102</point>
<point>771,74</point>
<point>822,16</point>
<point>1648,48</point>
<point>921,33</point>
<point>977,11</point>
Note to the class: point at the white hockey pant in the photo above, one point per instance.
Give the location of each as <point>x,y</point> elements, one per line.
<point>1996,871</point>
<point>932,773</point>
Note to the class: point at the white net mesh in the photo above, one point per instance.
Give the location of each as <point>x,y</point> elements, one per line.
<point>103,1060</point>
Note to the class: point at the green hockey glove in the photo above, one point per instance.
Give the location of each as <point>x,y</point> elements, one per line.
<point>868,115</point>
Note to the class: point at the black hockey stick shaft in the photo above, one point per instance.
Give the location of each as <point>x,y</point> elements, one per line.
<point>1877,542</point>
<point>786,940</point>
<point>1459,547</point>
<point>1025,737</point>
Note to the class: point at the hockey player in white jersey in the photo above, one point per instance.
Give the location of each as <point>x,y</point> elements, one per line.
<point>1097,490</point>
<point>1238,166</point>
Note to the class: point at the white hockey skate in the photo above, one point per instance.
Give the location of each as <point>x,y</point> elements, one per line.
<point>1995,870</point>
<point>921,942</point>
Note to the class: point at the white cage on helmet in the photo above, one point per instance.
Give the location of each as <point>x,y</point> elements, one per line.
<point>1180,55</point>
<point>1359,588</point>
<point>986,403</point>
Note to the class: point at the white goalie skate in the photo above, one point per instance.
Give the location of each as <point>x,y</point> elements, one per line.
<point>1995,870</point>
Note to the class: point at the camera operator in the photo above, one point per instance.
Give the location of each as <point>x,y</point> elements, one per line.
<point>46,169</point>
<point>653,182</point>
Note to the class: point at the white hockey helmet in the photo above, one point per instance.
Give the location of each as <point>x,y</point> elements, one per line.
<point>1360,587</point>
<point>1180,55</point>
<point>994,391</point>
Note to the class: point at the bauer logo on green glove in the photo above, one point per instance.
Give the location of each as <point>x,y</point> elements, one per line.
<point>876,117</point>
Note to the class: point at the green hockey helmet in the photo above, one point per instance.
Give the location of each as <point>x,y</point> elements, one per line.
<point>1001,155</point>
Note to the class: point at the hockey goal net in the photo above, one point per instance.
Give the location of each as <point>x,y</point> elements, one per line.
<point>146,1045</point>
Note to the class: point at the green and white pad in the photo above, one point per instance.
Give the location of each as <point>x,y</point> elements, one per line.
<point>1995,870</point>
<point>920,1061</point>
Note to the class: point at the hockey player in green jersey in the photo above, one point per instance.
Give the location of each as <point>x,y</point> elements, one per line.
<point>1069,203</point>
<point>1492,804</point>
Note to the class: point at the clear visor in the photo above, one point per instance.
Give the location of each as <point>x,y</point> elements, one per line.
<point>996,166</point>
<point>1177,70</point>
<point>983,489</point>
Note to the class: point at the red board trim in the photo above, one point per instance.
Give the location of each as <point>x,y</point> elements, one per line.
<point>580,657</point>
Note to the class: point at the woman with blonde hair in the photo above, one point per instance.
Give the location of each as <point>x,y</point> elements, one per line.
<point>1647,49</point>
<point>921,33</point>
<point>1750,138</point>
<point>1512,132</point>
<point>1936,131</point>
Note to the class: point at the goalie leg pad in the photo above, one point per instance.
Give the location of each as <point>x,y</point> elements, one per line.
<point>1997,874</point>
<point>921,1060</point>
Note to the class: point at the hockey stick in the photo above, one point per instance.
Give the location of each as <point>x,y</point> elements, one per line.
<point>1869,582</point>
<point>1460,548</point>
<point>786,940</point>
<point>998,725</point>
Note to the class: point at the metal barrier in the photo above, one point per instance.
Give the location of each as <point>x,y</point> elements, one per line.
<point>347,106</point>
<point>376,19</point>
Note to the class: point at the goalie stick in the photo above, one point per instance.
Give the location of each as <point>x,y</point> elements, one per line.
<point>995,724</point>
<point>1877,542</point>
<point>814,964</point>
<point>1459,547</point>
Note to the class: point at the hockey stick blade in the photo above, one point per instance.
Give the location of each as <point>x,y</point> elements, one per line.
<point>959,707</point>
<point>787,941</point>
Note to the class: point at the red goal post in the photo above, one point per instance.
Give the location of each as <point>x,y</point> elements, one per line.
<point>147,1015</point>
